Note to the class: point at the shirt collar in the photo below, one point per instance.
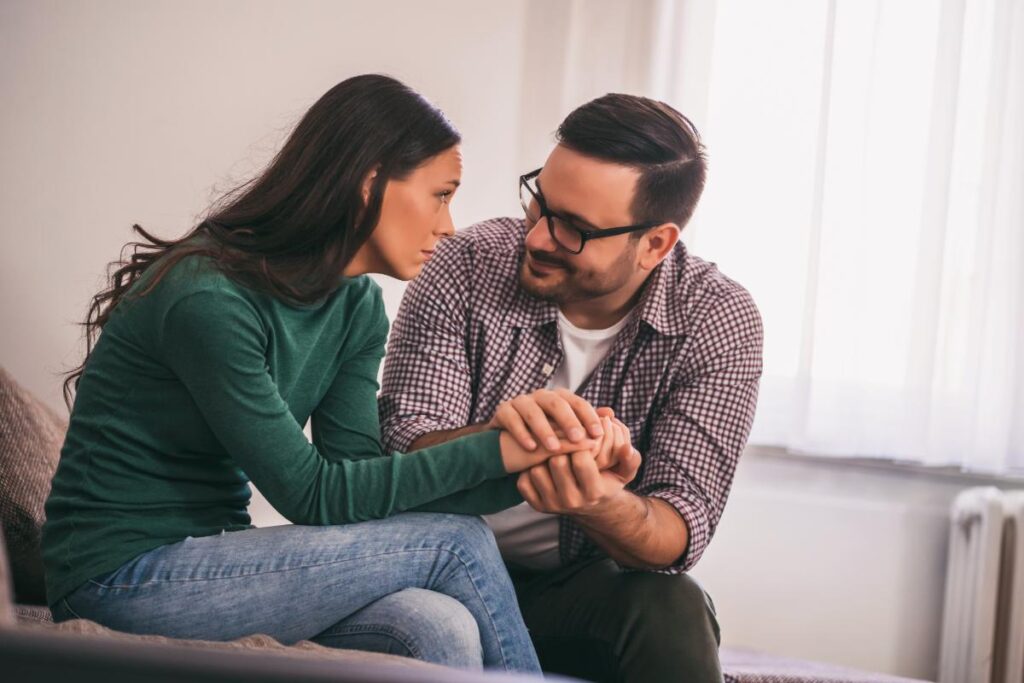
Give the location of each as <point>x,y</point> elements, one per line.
<point>656,306</point>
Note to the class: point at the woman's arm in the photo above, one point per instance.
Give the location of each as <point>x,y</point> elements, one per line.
<point>214,341</point>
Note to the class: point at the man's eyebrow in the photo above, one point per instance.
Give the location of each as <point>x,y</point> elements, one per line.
<point>574,217</point>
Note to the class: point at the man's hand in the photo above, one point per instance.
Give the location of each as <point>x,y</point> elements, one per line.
<point>537,418</point>
<point>575,484</point>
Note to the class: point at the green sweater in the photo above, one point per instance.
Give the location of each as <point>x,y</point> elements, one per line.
<point>203,385</point>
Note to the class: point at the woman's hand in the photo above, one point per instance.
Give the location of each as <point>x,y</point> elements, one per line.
<point>620,446</point>
<point>517,459</point>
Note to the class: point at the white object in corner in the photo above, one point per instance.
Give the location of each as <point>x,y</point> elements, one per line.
<point>983,615</point>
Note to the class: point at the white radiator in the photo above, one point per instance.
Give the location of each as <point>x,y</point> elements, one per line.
<point>983,615</point>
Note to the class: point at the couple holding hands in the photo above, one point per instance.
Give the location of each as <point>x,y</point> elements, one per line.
<point>565,398</point>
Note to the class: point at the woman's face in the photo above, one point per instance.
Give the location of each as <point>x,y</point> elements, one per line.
<point>413,217</point>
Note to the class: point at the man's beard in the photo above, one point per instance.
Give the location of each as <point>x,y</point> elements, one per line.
<point>573,285</point>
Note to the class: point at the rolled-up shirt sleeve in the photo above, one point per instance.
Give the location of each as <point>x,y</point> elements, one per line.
<point>427,384</point>
<point>702,426</point>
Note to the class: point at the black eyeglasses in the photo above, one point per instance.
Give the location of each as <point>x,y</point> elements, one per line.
<point>564,231</point>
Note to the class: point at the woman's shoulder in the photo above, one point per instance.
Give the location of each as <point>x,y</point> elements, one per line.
<point>191,274</point>
<point>192,277</point>
<point>363,299</point>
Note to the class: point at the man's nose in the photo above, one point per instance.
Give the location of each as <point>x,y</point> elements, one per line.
<point>539,237</point>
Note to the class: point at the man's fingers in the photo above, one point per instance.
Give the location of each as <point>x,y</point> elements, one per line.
<point>568,491</point>
<point>627,467</point>
<point>529,493</point>
<point>584,468</point>
<point>509,419</point>
<point>536,420</point>
<point>561,412</point>
<point>541,480</point>
<point>584,412</point>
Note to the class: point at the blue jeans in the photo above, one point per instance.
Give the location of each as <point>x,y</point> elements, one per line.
<point>427,585</point>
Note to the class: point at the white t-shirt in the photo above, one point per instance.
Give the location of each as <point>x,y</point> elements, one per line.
<point>526,537</point>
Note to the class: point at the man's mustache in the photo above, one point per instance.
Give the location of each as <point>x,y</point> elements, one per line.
<point>543,257</point>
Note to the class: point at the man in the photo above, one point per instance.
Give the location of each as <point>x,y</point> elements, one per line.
<point>588,309</point>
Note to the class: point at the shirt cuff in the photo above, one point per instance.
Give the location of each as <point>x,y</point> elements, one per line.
<point>400,437</point>
<point>698,528</point>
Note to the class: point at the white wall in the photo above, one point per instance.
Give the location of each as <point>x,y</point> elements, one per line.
<point>118,112</point>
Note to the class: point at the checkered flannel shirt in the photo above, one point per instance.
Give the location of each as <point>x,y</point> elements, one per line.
<point>682,374</point>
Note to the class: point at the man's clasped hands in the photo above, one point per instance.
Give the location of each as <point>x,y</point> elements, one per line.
<point>575,458</point>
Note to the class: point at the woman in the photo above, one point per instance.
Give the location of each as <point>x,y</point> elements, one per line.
<point>216,349</point>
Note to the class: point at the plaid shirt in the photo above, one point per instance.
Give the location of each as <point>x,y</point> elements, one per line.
<point>682,374</point>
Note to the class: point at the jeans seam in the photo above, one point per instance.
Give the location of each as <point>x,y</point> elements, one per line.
<point>490,616</point>
<point>378,629</point>
<point>120,586</point>
<point>67,606</point>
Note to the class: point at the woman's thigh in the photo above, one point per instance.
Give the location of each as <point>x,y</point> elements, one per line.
<point>290,582</point>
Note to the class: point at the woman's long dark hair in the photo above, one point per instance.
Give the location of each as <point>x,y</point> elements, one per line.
<point>291,231</point>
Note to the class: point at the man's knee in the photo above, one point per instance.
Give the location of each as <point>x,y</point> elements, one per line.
<point>664,607</point>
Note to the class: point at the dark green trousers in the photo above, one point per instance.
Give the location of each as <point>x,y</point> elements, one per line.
<point>594,621</point>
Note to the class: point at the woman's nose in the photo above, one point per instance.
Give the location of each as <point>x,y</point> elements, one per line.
<point>447,226</point>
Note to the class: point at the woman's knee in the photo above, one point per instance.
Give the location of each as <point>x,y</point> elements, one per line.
<point>448,632</point>
<point>431,626</point>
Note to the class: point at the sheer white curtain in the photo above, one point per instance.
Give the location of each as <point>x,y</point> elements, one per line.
<point>867,185</point>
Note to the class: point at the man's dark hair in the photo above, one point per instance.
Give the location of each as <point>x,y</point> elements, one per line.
<point>651,137</point>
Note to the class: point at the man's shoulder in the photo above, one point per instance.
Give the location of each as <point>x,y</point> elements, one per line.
<point>489,250</point>
<point>700,294</point>
<point>495,236</point>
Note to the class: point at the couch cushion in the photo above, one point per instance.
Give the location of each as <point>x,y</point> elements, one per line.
<point>31,435</point>
<point>257,642</point>
<point>33,614</point>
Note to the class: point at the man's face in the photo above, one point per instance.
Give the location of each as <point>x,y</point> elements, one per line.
<point>594,194</point>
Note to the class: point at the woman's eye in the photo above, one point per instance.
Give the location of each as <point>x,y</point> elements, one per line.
<point>444,196</point>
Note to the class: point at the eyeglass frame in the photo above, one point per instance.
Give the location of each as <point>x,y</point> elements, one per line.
<point>585,234</point>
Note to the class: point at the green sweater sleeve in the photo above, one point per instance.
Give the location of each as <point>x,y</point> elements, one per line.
<point>346,425</point>
<point>487,498</point>
<point>215,342</point>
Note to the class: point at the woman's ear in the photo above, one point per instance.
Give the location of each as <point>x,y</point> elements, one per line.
<point>368,183</point>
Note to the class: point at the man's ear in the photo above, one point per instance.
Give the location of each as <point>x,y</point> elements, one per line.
<point>656,244</point>
<point>368,183</point>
